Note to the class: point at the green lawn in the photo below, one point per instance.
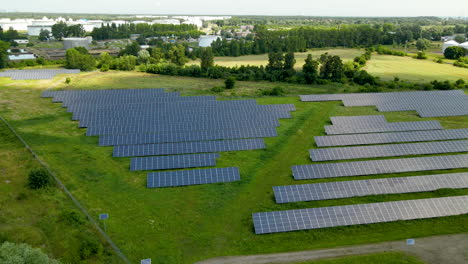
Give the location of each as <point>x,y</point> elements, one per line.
<point>187,224</point>
<point>258,60</point>
<point>407,68</point>
<point>377,258</point>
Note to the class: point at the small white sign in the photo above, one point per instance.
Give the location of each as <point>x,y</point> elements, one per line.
<point>145,261</point>
<point>103,216</point>
<point>410,241</point>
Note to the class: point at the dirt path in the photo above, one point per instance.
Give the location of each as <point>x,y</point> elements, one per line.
<point>448,249</point>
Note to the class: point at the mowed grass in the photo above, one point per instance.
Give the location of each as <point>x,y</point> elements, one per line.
<point>259,60</point>
<point>380,258</point>
<point>406,68</point>
<point>188,224</point>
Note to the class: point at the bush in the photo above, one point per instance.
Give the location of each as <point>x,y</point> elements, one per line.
<point>454,53</point>
<point>72,218</point>
<point>39,178</point>
<point>421,56</point>
<point>276,91</point>
<point>23,253</point>
<point>89,246</point>
<point>105,67</point>
<point>460,83</point>
<point>68,80</point>
<point>230,82</point>
<point>442,85</point>
<point>217,89</point>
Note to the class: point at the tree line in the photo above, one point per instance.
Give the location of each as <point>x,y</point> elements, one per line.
<point>113,31</point>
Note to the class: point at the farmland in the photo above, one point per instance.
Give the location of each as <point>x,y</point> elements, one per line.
<point>183,225</point>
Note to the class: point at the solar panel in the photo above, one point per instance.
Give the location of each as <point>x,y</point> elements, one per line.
<point>356,168</point>
<point>148,138</point>
<point>370,120</point>
<point>188,147</point>
<point>313,218</point>
<point>180,127</point>
<point>192,177</point>
<point>389,150</point>
<point>395,137</point>
<point>345,189</point>
<point>36,74</point>
<point>389,127</point>
<point>174,162</point>
<point>141,100</point>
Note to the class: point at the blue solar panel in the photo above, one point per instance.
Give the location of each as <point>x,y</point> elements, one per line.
<point>174,162</point>
<point>192,177</point>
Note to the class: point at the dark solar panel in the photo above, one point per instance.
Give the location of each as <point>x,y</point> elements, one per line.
<point>188,147</point>
<point>388,127</point>
<point>393,150</point>
<point>174,162</point>
<point>312,218</point>
<point>356,168</point>
<point>345,189</point>
<point>148,138</point>
<point>192,177</point>
<point>395,137</point>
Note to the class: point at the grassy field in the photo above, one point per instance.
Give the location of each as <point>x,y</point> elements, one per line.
<point>380,258</point>
<point>258,60</point>
<point>184,225</point>
<point>407,68</point>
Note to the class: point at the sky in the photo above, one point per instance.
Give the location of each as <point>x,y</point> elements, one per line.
<point>456,8</point>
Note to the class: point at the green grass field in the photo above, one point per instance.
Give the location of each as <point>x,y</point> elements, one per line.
<point>188,224</point>
<point>258,60</point>
<point>407,68</point>
<point>380,258</point>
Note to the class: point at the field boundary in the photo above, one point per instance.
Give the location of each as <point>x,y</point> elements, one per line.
<point>67,192</point>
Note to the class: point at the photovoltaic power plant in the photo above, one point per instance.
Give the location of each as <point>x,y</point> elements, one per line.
<point>166,131</point>
<point>36,74</point>
<point>361,120</point>
<point>394,137</point>
<point>426,103</point>
<point>383,127</point>
<point>192,177</point>
<point>345,189</point>
<point>392,150</point>
<point>371,167</point>
<point>313,218</point>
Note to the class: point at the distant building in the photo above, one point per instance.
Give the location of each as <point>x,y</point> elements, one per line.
<point>35,30</point>
<point>21,41</point>
<point>69,43</point>
<point>465,46</point>
<point>205,41</point>
<point>166,21</point>
<point>134,36</point>
<point>17,57</point>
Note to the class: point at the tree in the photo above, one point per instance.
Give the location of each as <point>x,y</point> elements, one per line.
<point>230,82</point>
<point>288,66</point>
<point>22,253</point>
<point>275,65</point>
<point>460,38</point>
<point>74,59</point>
<point>4,46</point>
<point>59,30</point>
<point>44,35</point>
<point>143,56</point>
<point>75,31</point>
<point>131,49</point>
<point>423,44</point>
<point>176,55</point>
<point>206,58</point>
<point>454,53</point>
<point>10,35</point>
<point>332,68</point>
<point>310,70</point>
<point>104,60</point>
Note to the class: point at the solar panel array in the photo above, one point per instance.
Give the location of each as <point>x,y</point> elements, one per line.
<point>344,189</point>
<point>313,218</point>
<point>426,103</point>
<point>165,131</point>
<point>393,150</point>
<point>192,177</point>
<point>395,137</point>
<point>36,74</point>
<point>371,167</point>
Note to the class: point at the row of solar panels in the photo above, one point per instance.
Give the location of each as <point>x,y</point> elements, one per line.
<point>164,131</point>
<point>36,74</point>
<point>426,103</point>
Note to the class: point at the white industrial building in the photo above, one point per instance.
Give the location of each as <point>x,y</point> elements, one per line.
<point>21,57</point>
<point>205,41</point>
<point>166,21</point>
<point>464,45</point>
<point>450,43</point>
<point>35,30</point>
<point>69,43</point>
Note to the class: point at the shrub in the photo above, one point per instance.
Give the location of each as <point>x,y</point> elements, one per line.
<point>440,60</point>
<point>442,85</point>
<point>23,253</point>
<point>230,82</point>
<point>460,83</point>
<point>217,89</point>
<point>105,67</point>
<point>454,52</point>
<point>39,178</point>
<point>68,80</point>
<point>72,218</point>
<point>276,91</point>
<point>421,56</point>
<point>89,246</point>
